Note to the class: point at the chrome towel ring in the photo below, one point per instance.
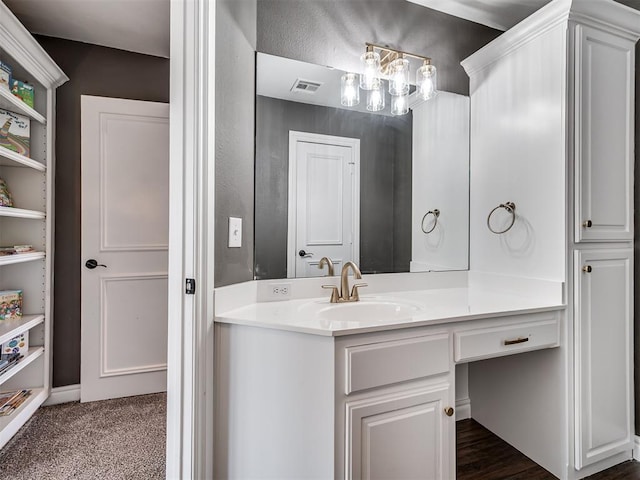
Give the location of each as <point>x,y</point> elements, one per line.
<point>509,207</point>
<point>436,213</point>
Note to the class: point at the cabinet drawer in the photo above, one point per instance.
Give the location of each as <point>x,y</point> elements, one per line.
<point>496,341</point>
<point>378,364</point>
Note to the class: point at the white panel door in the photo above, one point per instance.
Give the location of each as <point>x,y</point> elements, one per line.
<point>125,230</point>
<point>323,203</point>
<point>605,75</point>
<point>401,436</point>
<point>604,354</point>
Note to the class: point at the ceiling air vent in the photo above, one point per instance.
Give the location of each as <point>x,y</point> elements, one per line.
<point>305,86</point>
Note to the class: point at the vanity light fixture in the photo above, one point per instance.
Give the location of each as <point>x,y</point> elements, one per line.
<point>375,96</point>
<point>426,80</point>
<point>380,62</point>
<point>349,91</point>
<point>400,105</point>
<point>370,68</point>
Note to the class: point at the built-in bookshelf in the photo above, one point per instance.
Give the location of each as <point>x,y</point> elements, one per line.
<point>29,221</point>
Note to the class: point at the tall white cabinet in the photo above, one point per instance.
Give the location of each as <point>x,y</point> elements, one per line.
<point>552,99</point>
<point>30,221</point>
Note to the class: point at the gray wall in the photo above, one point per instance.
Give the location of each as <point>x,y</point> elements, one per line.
<point>92,70</point>
<point>334,32</point>
<point>235,100</point>
<point>385,182</point>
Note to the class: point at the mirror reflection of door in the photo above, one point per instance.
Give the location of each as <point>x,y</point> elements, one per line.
<point>324,202</point>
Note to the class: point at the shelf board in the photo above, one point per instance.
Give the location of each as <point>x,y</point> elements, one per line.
<point>9,158</point>
<point>10,424</point>
<point>20,258</point>
<point>21,213</point>
<point>11,328</point>
<point>9,101</point>
<point>32,354</point>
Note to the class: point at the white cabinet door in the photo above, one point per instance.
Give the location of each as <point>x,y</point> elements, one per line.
<point>402,435</point>
<point>604,122</point>
<point>604,354</point>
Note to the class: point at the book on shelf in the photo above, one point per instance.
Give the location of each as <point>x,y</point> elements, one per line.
<point>23,91</point>
<point>15,132</point>
<point>6,77</point>
<point>15,249</point>
<point>10,304</point>
<point>10,401</point>
<point>9,360</point>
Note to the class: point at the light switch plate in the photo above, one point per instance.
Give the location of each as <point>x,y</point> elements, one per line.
<point>235,232</point>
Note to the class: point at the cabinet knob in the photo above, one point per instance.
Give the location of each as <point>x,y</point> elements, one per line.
<point>587,269</point>
<point>587,224</point>
<point>449,411</point>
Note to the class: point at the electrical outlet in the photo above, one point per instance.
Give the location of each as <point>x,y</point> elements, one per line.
<point>280,291</point>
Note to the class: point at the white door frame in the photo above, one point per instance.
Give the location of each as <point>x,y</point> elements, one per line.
<point>191,241</point>
<point>354,144</point>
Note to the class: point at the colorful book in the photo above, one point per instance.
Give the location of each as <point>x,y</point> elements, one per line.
<point>15,132</point>
<point>15,400</point>
<point>6,77</point>
<point>23,91</point>
<point>10,305</point>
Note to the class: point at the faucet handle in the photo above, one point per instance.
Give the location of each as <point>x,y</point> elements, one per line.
<point>335,294</point>
<point>354,291</point>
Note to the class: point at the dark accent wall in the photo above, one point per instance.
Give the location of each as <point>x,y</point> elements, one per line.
<point>334,32</point>
<point>385,182</point>
<point>235,121</point>
<point>100,71</point>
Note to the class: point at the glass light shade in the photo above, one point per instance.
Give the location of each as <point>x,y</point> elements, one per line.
<point>400,105</point>
<point>375,97</point>
<point>427,82</point>
<point>370,70</point>
<point>349,91</point>
<point>399,77</point>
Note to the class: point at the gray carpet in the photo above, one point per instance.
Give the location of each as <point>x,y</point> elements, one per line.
<point>113,439</point>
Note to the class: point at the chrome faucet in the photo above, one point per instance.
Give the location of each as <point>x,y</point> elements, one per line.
<point>344,295</point>
<point>327,261</point>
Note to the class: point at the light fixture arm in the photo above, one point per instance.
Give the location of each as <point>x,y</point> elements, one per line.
<point>386,51</point>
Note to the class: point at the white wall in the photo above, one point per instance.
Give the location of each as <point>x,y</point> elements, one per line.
<point>441,181</point>
<point>517,110</point>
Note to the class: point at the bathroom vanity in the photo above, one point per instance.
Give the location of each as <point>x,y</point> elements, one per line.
<point>310,389</point>
<point>538,331</point>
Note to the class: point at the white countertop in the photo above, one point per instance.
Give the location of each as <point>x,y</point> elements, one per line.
<point>416,308</point>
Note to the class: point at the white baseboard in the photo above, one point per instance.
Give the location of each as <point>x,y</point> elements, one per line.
<point>636,448</point>
<point>66,394</point>
<point>463,409</point>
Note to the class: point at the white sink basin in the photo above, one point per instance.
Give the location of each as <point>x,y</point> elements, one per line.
<point>374,310</point>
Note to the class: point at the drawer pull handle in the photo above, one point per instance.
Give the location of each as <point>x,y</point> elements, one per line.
<point>449,411</point>
<point>587,224</point>
<point>516,341</point>
<point>587,269</point>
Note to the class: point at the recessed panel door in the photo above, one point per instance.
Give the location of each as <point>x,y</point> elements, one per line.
<point>324,205</point>
<point>125,231</point>
<point>404,435</point>
<point>604,132</point>
<point>604,354</point>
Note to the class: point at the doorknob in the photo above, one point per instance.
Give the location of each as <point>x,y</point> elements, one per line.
<point>304,254</point>
<point>91,264</point>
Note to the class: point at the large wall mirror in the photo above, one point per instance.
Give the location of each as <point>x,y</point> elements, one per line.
<point>388,192</point>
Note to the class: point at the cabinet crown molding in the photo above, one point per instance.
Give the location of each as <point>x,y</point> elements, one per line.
<point>609,14</point>
<point>27,52</point>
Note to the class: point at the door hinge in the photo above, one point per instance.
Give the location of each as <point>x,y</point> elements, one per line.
<point>191,286</point>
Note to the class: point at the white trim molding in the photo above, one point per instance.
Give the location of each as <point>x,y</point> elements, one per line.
<point>191,205</point>
<point>463,409</point>
<point>636,448</point>
<point>66,394</point>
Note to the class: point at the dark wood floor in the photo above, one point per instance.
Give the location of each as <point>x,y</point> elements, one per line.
<point>484,456</point>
